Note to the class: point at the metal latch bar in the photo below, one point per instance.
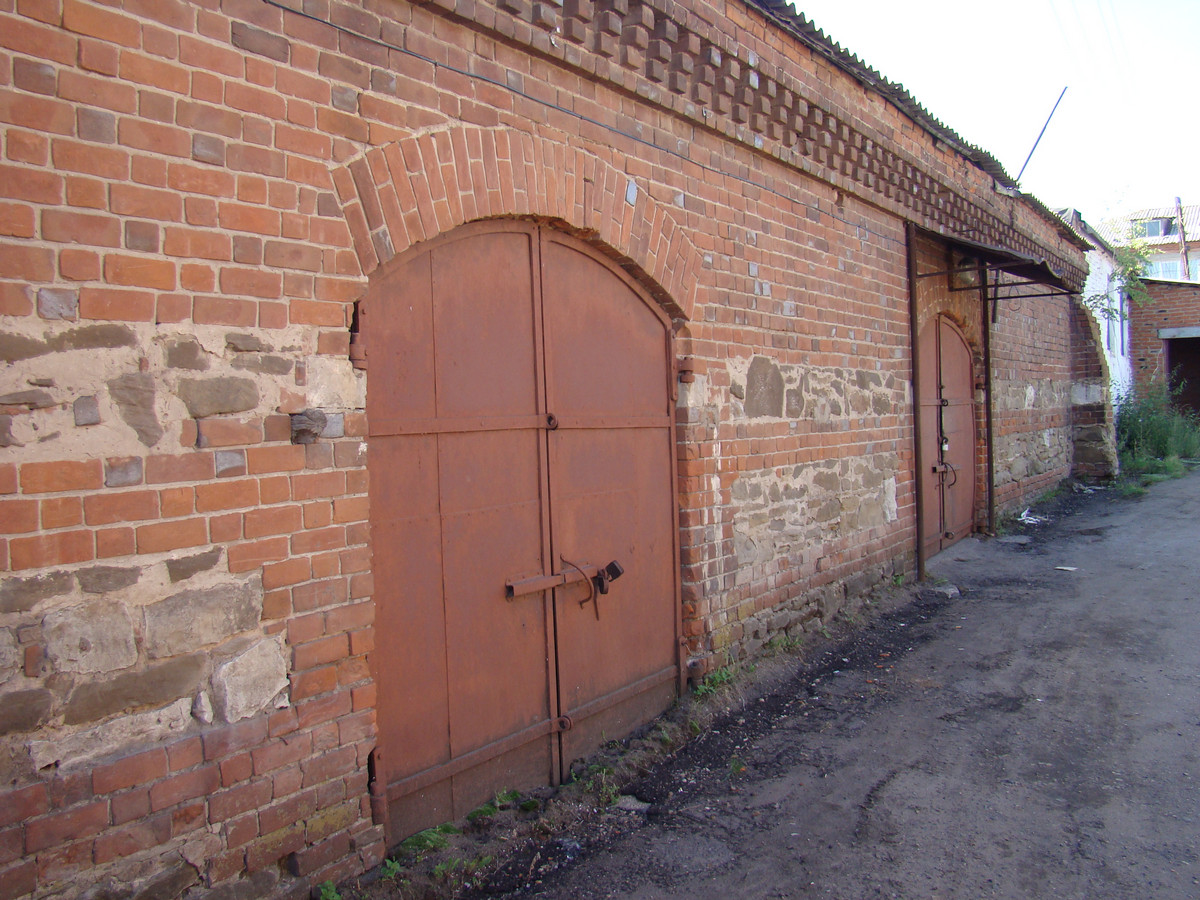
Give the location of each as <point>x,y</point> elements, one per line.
<point>522,586</point>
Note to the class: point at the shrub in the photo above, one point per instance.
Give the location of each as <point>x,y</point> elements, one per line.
<point>1152,430</point>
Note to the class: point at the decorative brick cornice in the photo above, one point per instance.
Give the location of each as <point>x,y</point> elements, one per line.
<point>667,55</point>
<point>417,188</point>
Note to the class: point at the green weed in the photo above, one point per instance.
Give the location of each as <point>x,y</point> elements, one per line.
<point>713,681</point>
<point>600,783</point>
<point>329,891</point>
<point>429,839</point>
<point>391,870</point>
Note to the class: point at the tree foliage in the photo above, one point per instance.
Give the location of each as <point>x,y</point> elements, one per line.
<point>1129,266</point>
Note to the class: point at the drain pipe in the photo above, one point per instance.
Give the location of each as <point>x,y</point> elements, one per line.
<point>910,233</point>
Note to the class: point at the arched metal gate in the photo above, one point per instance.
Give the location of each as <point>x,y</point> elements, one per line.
<point>521,440</point>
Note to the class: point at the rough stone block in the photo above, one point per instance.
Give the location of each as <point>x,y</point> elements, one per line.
<point>335,383</point>
<point>95,637</point>
<point>134,395</point>
<point>197,618</point>
<point>24,710</point>
<point>250,681</point>
<point>22,594</point>
<point>103,579</point>
<point>186,353</point>
<point>120,737</point>
<point>155,686</point>
<point>217,396</point>
<point>245,343</point>
<point>11,657</point>
<point>87,410</point>
<point>764,388</point>
<point>184,568</point>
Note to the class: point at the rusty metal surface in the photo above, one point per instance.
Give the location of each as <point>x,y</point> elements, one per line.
<point>958,433</point>
<point>521,439</point>
<point>948,439</point>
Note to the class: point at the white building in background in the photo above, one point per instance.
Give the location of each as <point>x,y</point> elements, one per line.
<point>1106,302</point>
<point>1171,235</point>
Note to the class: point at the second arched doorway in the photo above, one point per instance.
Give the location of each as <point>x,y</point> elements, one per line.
<point>948,441</point>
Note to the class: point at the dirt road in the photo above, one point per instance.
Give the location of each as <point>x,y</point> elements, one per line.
<point>1035,736</point>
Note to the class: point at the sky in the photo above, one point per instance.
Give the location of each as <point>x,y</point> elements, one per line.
<point>1127,133</point>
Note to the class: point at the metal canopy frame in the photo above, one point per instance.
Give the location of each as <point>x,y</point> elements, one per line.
<point>988,259</point>
<point>985,265</point>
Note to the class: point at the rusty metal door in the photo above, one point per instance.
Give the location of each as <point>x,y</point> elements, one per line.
<point>948,443</point>
<point>608,385</point>
<point>520,426</point>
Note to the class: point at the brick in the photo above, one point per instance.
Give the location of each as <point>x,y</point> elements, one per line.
<point>318,484</point>
<point>112,304</point>
<point>281,752</point>
<point>272,520</point>
<point>154,137</point>
<point>227,495</point>
<point>18,516</point>
<point>59,512</point>
<point>64,475</point>
<point>155,72</point>
<point>139,271</point>
<point>145,202</point>
<point>97,92</point>
<point>18,880</point>
<point>318,594</point>
<point>131,839</point>
<point>225,805</point>
<point>194,243</point>
<point>186,786</point>
<point>15,299</point>
<point>321,652</point>
<point>177,501</point>
<point>23,803</point>
<point>188,467</point>
<point>185,753</point>
<point>66,226</point>
<point>112,542</point>
<point>24,263</point>
<point>131,771</point>
<point>220,432</point>
<point>99,22</point>
<point>313,683</point>
<point>251,282</point>
<point>164,536</point>
<point>332,538</point>
<point>262,460</point>
<point>70,825</point>
<point>128,506</point>
<point>88,159</point>
<point>351,509</point>
<point>225,311</point>
<point>245,557</point>
<point>79,265</point>
<point>43,114</point>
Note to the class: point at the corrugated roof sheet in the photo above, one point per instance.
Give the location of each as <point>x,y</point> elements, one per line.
<point>1117,229</point>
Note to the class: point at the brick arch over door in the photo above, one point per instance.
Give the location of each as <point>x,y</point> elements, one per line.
<point>417,188</point>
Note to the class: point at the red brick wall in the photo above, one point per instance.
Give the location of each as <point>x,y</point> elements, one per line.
<point>1170,305</point>
<point>192,196</point>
